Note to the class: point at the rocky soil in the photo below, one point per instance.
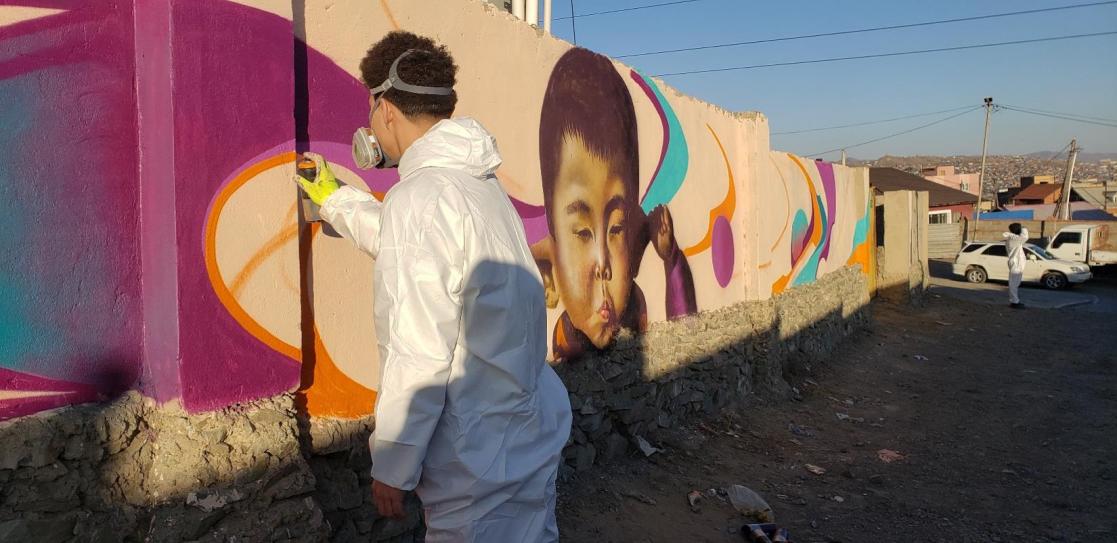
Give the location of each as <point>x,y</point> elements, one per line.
<point>1004,423</point>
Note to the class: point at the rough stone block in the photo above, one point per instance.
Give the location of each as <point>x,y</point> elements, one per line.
<point>591,423</point>
<point>584,457</point>
<point>615,446</point>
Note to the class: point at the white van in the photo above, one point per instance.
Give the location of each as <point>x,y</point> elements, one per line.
<point>978,262</point>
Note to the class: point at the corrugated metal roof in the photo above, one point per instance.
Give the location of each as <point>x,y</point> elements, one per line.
<point>1094,195</point>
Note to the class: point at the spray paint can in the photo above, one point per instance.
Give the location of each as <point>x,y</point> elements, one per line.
<point>757,534</point>
<point>307,169</point>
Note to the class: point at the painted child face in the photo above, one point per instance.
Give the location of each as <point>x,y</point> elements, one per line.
<point>592,215</point>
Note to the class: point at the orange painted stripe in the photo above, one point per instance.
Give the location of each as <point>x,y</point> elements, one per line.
<point>725,208</point>
<point>332,393</point>
<point>388,13</point>
<point>781,284</point>
<point>224,295</point>
<point>865,254</point>
<point>269,249</point>
<point>816,235</point>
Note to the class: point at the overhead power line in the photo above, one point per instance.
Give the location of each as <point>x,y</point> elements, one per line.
<point>1110,125</point>
<point>908,131</point>
<point>860,30</point>
<point>622,10</point>
<point>1057,154</point>
<point>892,54</point>
<point>868,122</point>
<point>1087,117</point>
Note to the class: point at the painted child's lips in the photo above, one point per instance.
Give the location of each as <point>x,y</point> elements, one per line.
<point>606,312</point>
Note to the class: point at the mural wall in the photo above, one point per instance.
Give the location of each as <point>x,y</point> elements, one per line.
<point>640,204</point>
<point>654,240</point>
<point>70,327</point>
<point>819,219</point>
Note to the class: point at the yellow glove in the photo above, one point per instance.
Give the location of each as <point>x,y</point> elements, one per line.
<point>324,183</point>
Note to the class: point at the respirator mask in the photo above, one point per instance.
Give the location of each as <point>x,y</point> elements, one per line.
<point>367,152</point>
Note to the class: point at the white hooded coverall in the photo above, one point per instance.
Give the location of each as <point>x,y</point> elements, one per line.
<point>469,414</point>
<point>1016,262</point>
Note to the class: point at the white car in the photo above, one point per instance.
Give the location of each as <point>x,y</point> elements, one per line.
<point>978,262</point>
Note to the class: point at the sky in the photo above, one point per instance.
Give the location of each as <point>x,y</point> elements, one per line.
<point>1072,76</point>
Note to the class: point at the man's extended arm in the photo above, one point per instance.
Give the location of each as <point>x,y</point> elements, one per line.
<point>356,216</point>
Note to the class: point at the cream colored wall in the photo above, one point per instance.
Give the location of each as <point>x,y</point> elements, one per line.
<point>505,93</point>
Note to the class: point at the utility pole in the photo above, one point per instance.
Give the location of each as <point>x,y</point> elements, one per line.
<point>1064,205</point>
<point>981,176</point>
<point>843,157</point>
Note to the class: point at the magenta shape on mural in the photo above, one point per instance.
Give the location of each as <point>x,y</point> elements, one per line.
<point>721,251</point>
<point>31,393</point>
<point>826,172</point>
<point>222,124</point>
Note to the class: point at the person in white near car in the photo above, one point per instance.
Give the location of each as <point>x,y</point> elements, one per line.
<point>1015,239</point>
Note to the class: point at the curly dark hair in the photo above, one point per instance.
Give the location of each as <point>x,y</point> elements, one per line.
<point>432,68</point>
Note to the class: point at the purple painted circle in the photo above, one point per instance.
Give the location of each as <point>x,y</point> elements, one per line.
<point>722,251</point>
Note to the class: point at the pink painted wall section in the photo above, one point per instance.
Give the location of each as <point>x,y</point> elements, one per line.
<point>234,117</point>
<point>157,198</point>
<point>70,310</point>
<point>233,103</point>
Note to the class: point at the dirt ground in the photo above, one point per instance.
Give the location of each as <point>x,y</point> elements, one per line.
<point>1007,421</point>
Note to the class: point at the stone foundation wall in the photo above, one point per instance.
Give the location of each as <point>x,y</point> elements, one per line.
<point>131,471</point>
<point>624,398</point>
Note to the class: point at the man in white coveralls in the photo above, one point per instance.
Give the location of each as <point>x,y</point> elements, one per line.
<point>1015,239</point>
<point>469,414</point>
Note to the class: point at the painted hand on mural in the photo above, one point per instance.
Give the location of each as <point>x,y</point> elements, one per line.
<point>680,297</point>
<point>661,230</point>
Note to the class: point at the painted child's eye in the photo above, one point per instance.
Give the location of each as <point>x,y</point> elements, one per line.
<point>584,234</point>
<point>616,230</point>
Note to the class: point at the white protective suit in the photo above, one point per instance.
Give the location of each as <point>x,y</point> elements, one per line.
<point>1017,259</point>
<point>469,414</point>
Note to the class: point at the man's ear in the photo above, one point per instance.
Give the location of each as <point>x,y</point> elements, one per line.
<point>543,252</point>
<point>390,110</point>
